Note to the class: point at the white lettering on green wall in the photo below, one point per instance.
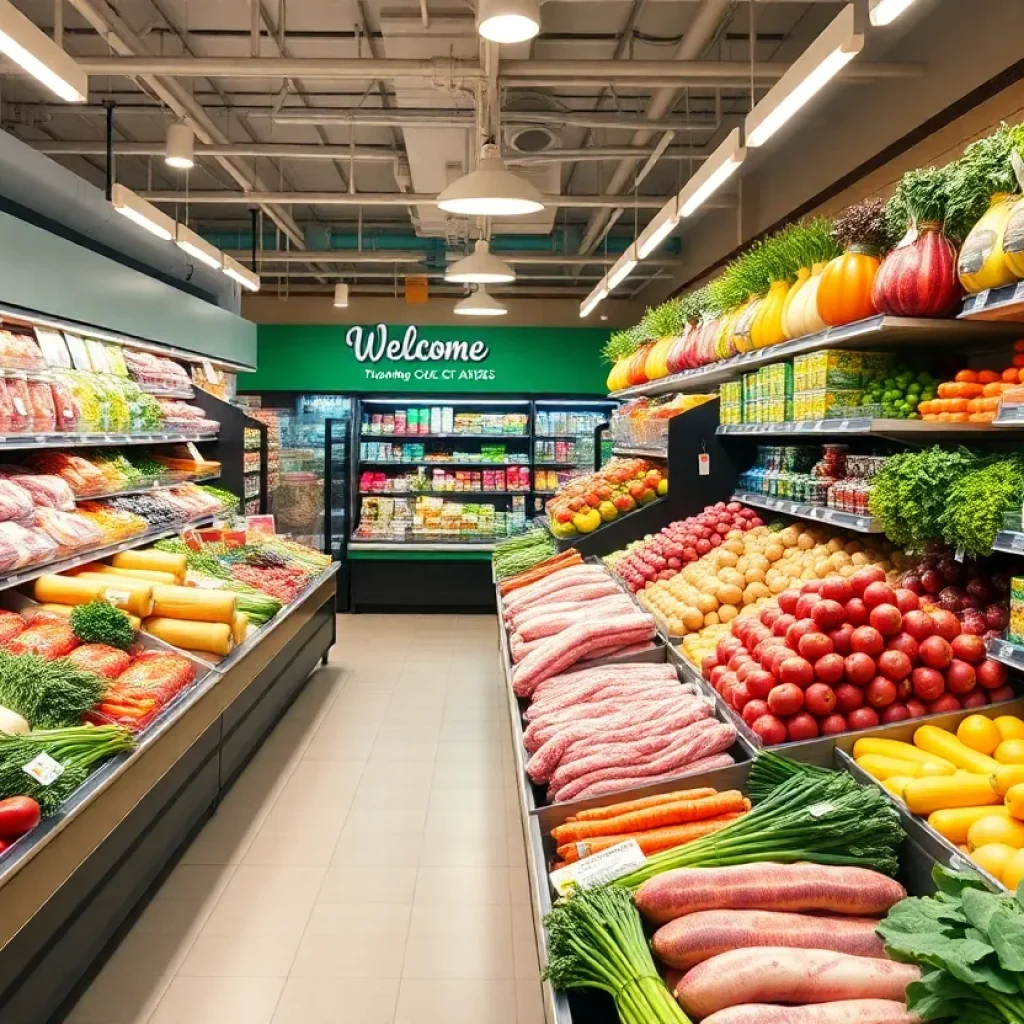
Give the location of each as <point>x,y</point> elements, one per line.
<point>372,344</point>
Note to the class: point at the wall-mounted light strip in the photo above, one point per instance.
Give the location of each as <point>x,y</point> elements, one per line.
<point>625,266</point>
<point>31,48</point>
<point>594,299</point>
<point>663,224</point>
<point>198,247</point>
<point>885,12</point>
<point>837,45</point>
<point>136,209</point>
<point>714,172</point>
<point>243,275</point>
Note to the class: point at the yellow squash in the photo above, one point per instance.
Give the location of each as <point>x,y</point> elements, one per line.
<point>937,741</point>
<point>898,749</point>
<point>767,329</point>
<point>130,595</point>
<point>162,561</point>
<point>803,275</point>
<point>923,796</point>
<point>212,637</point>
<point>195,603</point>
<point>955,822</point>
<point>1006,776</point>
<point>981,263</point>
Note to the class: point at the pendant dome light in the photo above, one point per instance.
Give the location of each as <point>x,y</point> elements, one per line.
<point>180,146</point>
<point>480,267</point>
<point>480,303</point>
<point>341,296</point>
<point>508,21</point>
<point>491,190</point>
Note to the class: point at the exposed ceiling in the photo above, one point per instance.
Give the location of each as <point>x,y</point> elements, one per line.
<point>582,111</point>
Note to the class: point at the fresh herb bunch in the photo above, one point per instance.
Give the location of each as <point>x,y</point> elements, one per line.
<point>810,242</point>
<point>861,226</point>
<point>596,940</point>
<point>921,196</point>
<point>980,173</point>
<point>910,492</point>
<point>976,502</point>
<point>969,944</point>
<point>79,751</point>
<point>47,694</point>
<point>666,320</point>
<point>99,622</point>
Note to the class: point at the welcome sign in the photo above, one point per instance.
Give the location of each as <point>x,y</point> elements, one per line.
<point>415,358</point>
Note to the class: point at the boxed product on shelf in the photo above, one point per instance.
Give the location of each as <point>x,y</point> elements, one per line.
<point>828,368</point>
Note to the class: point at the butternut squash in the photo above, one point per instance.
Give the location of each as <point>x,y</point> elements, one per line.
<point>923,796</point>
<point>937,741</point>
<point>213,637</point>
<point>162,561</point>
<point>239,626</point>
<point>195,603</point>
<point>130,595</point>
<point>68,590</point>
<point>152,575</point>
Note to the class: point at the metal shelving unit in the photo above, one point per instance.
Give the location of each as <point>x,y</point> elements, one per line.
<point>995,305</point>
<point>859,425</point>
<point>18,442</point>
<point>816,513</point>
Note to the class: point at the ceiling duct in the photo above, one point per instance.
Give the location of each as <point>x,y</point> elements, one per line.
<point>535,138</point>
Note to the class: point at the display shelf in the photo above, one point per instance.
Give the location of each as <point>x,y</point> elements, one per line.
<point>560,465</point>
<point>564,437</point>
<point>179,393</point>
<point>832,516</point>
<point>443,437</point>
<point>877,332</point>
<point>858,425</point>
<point>33,572</point>
<point>443,494</point>
<point>436,547</point>
<point>1009,541</point>
<point>148,488</point>
<point>620,518</point>
<point>23,442</point>
<point>1006,652</point>
<point>454,465</point>
<point>640,452</point>
<point>998,305</point>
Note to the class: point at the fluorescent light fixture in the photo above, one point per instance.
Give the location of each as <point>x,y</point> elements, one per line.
<point>480,267</point>
<point>625,266</point>
<point>593,300</point>
<point>180,146</point>
<point>837,45</point>
<point>198,247</point>
<point>243,275</point>
<point>508,21</point>
<point>136,209</point>
<point>490,191</point>
<point>885,12</point>
<point>341,296</point>
<point>664,223</point>
<point>40,56</point>
<point>713,173</point>
<point>480,304</point>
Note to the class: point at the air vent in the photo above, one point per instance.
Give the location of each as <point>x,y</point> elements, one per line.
<point>534,138</point>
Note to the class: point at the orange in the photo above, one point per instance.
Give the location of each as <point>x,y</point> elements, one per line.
<point>1013,873</point>
<point>1010,727</point>
<point>979,733</point>
<point>995,828</point>
<point>1010,752</point>
<point>993,858</point>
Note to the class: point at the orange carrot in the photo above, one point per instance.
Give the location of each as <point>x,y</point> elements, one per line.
<point>651,841</point>
<point>524,579</point>
<point>614,810</point>
<point>654,817</point>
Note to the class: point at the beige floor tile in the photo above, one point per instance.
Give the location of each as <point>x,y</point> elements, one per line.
<point>247,954</point>
<point>152,953</point>
<point>197,882</point>
<point>322,784</point>
<point>529,1002</point>
<point>419,751</point>
<point>384,793</point>
<point>518,886</point>
<point>385,821</point>
<point>323,1001</point>
<point>119,997</point>
<point>474,752</point>
<point>273,885</point>
<point>345,741</point>
<point>269,916</point>
<point>456,1001</point>
<point>350,940</point>
<point>455,775</point>
<point>396,773</point>
<point>173,917</point>
<point>195,1000</point>
<point>358,849</point>
<point>448,885</point>
<point>347,883</point>
<point>524,943</point>
<point>476,956</point>
<point>460,920</point>
<point>224,838</point>
<point>301,836</point>
<point>426,730</point>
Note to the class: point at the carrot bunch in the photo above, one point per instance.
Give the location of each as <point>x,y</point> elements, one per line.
<point>973,396</point>
<point>655,822</point>
<point>537,572</point>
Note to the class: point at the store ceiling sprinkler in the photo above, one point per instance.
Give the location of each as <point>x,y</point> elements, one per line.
<point>491,190</point>
<point>480,303</point>
<point>508,21</point>
<point>180,146</point>
<point>341,296</point>
<point>480,267</point>
<point>32,49</point>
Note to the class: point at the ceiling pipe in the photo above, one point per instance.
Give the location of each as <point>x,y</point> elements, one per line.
<point>524,259</point>
<point>271,150</point>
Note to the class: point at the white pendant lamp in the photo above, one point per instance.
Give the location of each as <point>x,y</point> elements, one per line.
<point>30,47</point>
<point>480,303</point>
<point>180,146</point>
<point>490,191</point>
<point>508,21</point>
<point>146,215</point>
<point>341,296</point>
<point>198,247</point>
<point>480,267</point>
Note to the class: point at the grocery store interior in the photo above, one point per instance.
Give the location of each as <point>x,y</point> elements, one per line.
<point>511,512</point>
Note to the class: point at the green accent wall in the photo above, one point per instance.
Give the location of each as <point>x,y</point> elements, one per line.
<point>506,360</point>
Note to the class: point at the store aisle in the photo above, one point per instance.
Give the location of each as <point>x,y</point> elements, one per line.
<point>367,867</point>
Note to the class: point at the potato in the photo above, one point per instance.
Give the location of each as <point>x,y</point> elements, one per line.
<point>773,552</point>
<point>727,612</point>
<point>711,619</point>
<point>754,592</point>
<point>729,593</point>
<point>707,603</point>
<point>692,618</point>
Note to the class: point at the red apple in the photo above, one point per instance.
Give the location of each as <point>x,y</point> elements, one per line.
<point>835,723</point>
<point>820,700</point>
<point>1003,693</point>
<point>781,624</point>
<point>862,718</point>
<point>977,698</point>
<point>828,614</point>
<point>768,615</point>
<point>860,668</point>
<point>935,652</point>
<point>863,578</point>
<point>906,600</point>
<point>928,683</point>
<point>801,727</point>
<point>919,625</point>
<point>968,647</point>
<point>786,699</point>
<point>770,730</point>
<point>754,710</point>
<point>849,697</point>
<point>829,669</point>
<point>991,675</point>
<point>760,683</point>
<point>886,618</point>
<point>946,624</point>
<point>895,713</point>
<point>797,671</point>
<point>841,639</point>
<point>805,606</point>
<point>880,692</point>
<point>855,611</point>
<point>903,642</point>
<point>867,640</point>
<point>797,630</point>
<point>894,665</point>
<point>836,588</point>
<point>878,593</point>
<point>813,646</point>
<point>915,708</point>
<point>943,705</point>
<point>960,677</point>
<point>811,586</point>
<point>787,601</point>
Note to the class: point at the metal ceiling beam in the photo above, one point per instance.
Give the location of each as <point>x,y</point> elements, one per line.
<point>269,150</point>
<point>384,256</point>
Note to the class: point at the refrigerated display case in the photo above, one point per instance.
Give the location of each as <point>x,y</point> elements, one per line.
<point>567,443</point>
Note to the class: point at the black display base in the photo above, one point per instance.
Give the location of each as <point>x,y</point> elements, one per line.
<point>51,961</point>
<point>417,586</point>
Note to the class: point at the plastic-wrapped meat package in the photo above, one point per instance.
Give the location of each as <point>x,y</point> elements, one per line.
<point>11,624</point>
<point>80,474</point>
<point>49,639</point>
<point>31,546</point>
<point>65,406</point>
<point>69,531</point>
<point>16,503</point>
<point>100,659</point>
<point>17,389</point>
<point>6,409</point>
<point>42,415</point>
<point>51,491</point>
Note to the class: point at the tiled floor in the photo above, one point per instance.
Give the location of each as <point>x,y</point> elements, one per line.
<point>367,867</point>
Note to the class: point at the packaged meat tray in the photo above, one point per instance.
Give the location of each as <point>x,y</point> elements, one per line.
<point>32,546</point>
<point>51,491</point>
<point>80,474</point>
<point>70,531</point>
<point>17,390</point>
<point>16,503</point>
<point>65,406</point>
<point>42,414</point>
<point>20,352</point>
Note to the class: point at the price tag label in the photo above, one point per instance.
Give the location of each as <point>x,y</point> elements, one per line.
<point>1018,542</point>
<point>958,555</point>
<point>194,452</point>
<point>703,464</point>
<point>599,869</point>
<point>19,406</point>
<point>46,771</point>
<point>116,597</point>
<point>843,424</point>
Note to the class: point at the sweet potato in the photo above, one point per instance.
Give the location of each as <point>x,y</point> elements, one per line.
<point>847,1011</point>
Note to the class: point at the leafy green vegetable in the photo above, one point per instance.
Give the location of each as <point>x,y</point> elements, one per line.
<point>980,173</point>
<point>862,226</point>
<point>977,500</point>
<point>517,554</point>
<point>47,694</point>
<point>596,940</point>
<point>99,622</point>
<point>972,939</point>
<point>922,195</point>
